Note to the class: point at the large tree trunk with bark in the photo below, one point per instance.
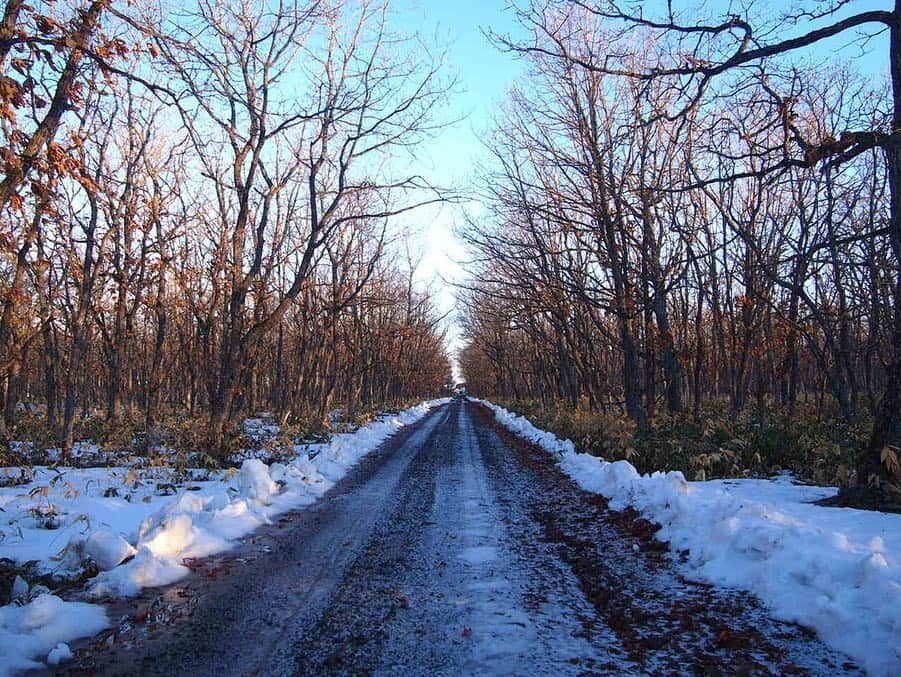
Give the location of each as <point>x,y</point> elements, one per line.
<point>887,417</point>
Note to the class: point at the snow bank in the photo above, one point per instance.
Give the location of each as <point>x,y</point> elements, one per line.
<point>108,550</point>
<point>39,629</point>
<point>141,538</point>
<point>835,570</point>
<point>200,524</point>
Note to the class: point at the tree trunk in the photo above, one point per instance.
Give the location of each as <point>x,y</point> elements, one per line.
<point>80,343</point>
<point>50,356</point>
<point>887,417</point>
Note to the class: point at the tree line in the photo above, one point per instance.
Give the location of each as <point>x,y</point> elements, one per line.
<point>196,206</point>
<point>677,217</point>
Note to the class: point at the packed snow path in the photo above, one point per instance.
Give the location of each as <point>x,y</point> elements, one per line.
<point>453,549</point>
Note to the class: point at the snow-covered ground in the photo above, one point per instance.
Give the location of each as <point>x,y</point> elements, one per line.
<point>837,570</point>
<point>140,526</point>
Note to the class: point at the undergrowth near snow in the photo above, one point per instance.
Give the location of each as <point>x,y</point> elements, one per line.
<point>176,440</point>
<point>815,448</point>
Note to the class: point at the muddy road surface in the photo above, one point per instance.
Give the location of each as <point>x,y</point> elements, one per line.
<point>453,549</point>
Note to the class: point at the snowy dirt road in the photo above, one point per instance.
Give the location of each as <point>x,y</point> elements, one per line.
<point>453,549</point>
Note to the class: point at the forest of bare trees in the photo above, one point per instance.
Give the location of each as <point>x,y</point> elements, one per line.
<point>682,215</point>
<point>195,213</point>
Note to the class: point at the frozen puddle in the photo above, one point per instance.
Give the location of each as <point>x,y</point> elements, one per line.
<point>479,554</point>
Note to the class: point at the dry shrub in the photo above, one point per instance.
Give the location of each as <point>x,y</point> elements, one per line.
<point>817,449</point>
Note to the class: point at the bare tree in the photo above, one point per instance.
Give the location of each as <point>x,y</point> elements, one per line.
<point>697,60</point>
<point>293,103</point>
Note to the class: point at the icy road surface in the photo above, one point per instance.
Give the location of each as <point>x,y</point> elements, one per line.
<point>453,549</point>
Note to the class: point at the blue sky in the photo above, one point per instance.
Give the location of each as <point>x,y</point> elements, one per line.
<point>483,75</point>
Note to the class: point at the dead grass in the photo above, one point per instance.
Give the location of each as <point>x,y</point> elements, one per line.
<point>821,449</point>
